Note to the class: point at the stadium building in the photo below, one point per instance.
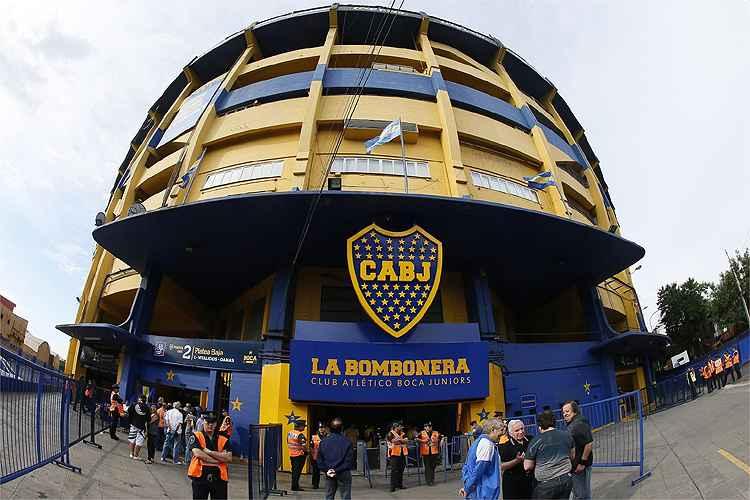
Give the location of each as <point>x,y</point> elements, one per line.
<point>254,257</point>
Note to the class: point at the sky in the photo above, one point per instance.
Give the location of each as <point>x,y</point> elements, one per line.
<point>660,87</point>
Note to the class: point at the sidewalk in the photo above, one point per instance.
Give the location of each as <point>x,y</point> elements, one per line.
<point>682,451</point>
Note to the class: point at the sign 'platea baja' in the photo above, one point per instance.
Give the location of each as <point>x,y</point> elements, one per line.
<point>395,275</point>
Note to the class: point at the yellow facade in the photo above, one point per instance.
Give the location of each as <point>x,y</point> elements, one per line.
<point>298,135</point>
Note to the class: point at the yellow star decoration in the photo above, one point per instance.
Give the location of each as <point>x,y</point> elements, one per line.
<point>170,375</point>
<point>587,387</point>
<point>236,404</point>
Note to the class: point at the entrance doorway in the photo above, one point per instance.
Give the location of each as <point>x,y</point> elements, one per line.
<point>378,419</point>
<point>172,394</point>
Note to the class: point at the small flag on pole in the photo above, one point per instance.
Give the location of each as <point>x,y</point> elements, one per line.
<point>390,132</point>
<point>540,181</point>
<point>185,179</point>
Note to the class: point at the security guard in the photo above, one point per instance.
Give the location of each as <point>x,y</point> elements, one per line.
<point>736,363</point>
<point>297,445</point>
<point>115,410</point>
<point>728,368</point>
<point>316,439</point>
<point>429,447</point>
<point>398,453</point>
<point>718,369</point>
<point>208,468</point>
<point>708,375</point>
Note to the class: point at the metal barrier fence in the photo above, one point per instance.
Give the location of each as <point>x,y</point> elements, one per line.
<point>44,413</point>
<point>263,460</point>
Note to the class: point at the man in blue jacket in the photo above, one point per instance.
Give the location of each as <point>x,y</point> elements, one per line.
<point>336,457</point>
<point>481,472</point>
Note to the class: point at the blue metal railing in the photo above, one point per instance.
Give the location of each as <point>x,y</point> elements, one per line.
<point>263,460</point>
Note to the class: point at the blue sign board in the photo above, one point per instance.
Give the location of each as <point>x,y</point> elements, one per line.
<point>390,372</point>
<point>227,355</point>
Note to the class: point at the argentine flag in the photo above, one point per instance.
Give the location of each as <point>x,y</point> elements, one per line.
<point>540,181</point>
<point>390,132</point>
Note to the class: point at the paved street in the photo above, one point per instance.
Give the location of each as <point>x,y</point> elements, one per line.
<point>697,450</point>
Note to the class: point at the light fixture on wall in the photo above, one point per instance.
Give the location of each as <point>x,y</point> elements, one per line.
<point>334,183</point>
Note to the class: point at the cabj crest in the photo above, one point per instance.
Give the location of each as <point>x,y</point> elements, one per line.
<point>395,275</point>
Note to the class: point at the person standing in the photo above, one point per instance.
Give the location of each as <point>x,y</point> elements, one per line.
<point>173,430</point>
<point>208,470</point>
<point>226,424</point>
<point>153,434</point>
<point>398,453</point>
<point>115,408</point>
<point>517,483</point>
<point>336,457</point>
<point>189,425</point>
<point>429,448</point>
<point>316,440</point>
<point>161,411</point>
<point>728,368</point>
<point>297,446</point>
<point>736,363</point>
<point>138,415</point>
<point>579,429</point>
<point>481,471</point>
<point>718,372</point>
<point>708,374</point>
<point>550,454</point>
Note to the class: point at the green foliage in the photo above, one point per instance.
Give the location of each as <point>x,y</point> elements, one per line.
<point>726,305</point>
<point>685,314</point>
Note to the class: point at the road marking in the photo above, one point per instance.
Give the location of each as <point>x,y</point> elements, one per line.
<point>736,461</point>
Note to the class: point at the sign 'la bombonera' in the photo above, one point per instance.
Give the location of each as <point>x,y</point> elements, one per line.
<point>395,275</point>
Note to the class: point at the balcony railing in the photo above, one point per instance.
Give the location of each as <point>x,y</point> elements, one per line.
<point>575,171</point>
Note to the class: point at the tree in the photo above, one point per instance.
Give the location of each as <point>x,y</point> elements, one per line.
<point>685,314</point>
<point>726,304</point>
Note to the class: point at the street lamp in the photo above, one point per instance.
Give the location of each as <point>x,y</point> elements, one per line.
<point>650,318</point>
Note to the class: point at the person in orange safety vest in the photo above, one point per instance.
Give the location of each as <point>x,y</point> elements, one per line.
<point>398,453</point>
<point>297,446</point>
<point>315,441</point>
<point>736,363</point>
<point>728,368</point>
<point>718,375</point>
<point>429,447</point>
<point>208,468</point>
<point>708,374</point>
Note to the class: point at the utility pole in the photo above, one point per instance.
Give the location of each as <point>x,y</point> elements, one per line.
<point>739,287</point>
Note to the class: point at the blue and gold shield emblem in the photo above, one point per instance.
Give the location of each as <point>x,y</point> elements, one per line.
<point>395,275</point>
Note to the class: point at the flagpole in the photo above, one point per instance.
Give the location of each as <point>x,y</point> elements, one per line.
<point>403,154</point>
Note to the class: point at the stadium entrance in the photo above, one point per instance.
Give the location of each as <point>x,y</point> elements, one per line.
<point>378,419</point>
<point>172,394</point>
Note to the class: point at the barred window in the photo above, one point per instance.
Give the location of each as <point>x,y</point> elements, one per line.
<point>247,172</point>
<point>501,185</point>
<point>386,166</point>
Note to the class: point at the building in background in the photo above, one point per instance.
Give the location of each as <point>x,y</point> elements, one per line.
<point>212,283</point>
<point>12,326</point>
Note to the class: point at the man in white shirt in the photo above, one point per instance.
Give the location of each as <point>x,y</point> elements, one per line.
<point>173,428</point>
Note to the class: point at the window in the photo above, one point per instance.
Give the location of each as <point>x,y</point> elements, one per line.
<point>246,172</point>
<point>501,185</point>
<point>340,304</point>
<point>384,166</point>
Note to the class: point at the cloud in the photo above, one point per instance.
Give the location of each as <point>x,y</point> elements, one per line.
<point>57,46</point>
<point>69,257</point>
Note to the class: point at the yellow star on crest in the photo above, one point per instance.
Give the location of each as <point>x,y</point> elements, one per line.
<point>236,404</point>
<point>170,375</point>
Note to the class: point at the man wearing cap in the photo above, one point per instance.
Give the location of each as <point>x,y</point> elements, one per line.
<point>297,446</point>
<point>397,453</point>
<point>429,448</point>
<point>115,407</point>
<point>208,466</point>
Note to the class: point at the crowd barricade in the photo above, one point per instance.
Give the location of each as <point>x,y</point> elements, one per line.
<point>617,423</point>
<point>35,404</point>
<point>263,460</point>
